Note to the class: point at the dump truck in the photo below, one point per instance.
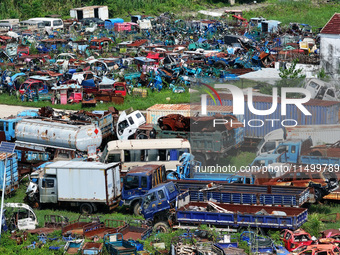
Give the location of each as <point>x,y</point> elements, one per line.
<point>207,142</point>
<point>164,207</point>
<point>85,185</point>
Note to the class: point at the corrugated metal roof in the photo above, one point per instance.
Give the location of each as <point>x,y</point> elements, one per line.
<point>333,25</point>
<point>189,107</point>
<point>3,155</point>
<point>80,165</point>
<point>89,7</point>
<point>268,99</point>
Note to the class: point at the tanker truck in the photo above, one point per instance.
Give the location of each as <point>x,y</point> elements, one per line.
<point>41,140</point>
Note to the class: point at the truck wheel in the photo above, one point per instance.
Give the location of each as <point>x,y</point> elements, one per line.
<point>137,209</point>
<point>161,227</point>
<point>201,158</point>
<point>86,208</point>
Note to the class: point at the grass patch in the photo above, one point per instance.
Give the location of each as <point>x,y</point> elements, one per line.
<point>313,13</point>
<point>135,102</point>
<point>237,158</point>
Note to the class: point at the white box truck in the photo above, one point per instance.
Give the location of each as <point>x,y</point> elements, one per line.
<point>85,185</point>
<point>320,134</point>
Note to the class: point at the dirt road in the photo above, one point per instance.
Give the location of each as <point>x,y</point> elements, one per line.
<point>8,110</point>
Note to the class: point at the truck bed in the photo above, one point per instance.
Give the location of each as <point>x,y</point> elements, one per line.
<point>234,193</point>
<point>242,215</point>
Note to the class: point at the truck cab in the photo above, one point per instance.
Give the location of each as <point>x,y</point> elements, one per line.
<point>20,216</point>
<point>158,200</point>
<point>32,85</point>
<point>270,141</point>
<point>128,124</point>
<point>138,181</point>
<point>7,129</point>
<point>322,90</point>
<point>291,150</point>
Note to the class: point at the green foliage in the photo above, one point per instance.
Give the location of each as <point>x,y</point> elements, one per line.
<point>314,225</point>
<point>238,158</point>
<point>291,72</point>
<point>275,236</point>
<point>314,13</point>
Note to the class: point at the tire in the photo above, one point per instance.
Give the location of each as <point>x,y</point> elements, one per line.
<point>86,208</point>
<point>161,227</point>
<point>136,209</point>
<point>317,194</point>
<point>142,136</point>
<point>220,64</point>
<point>201,158</point>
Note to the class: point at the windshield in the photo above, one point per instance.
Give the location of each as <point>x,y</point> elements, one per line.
<point>148,199</point>
<point>103,156</point>
<point>131,182</point>
<point>301,238</point>
<point>120,88</point>
<point>105,87</point>
<point>260,144</point>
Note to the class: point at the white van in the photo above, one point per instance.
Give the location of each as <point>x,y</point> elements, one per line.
<point>51,24</point>
<point>140,152</point>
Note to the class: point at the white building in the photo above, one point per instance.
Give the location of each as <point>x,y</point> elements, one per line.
<point>101,12</point>
<point>330,47</point>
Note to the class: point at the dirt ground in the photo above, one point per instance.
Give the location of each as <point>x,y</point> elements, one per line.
<point>8,110</point>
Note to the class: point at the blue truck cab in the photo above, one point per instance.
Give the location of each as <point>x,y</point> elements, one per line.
<point>7,128</point>
<point>288,151</point>
<point>158,201</point>
<point>138,181</point>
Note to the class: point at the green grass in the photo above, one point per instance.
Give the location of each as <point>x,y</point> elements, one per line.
<point>237,158</point>
<point>314,13</point>
<point>136,102</point>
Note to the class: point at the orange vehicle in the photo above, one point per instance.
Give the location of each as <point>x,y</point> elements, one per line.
<point>320,249</point>
<point>295,239</point>
<point>327,150</point>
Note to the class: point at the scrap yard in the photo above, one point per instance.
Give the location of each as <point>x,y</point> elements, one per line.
<point>215,133</point>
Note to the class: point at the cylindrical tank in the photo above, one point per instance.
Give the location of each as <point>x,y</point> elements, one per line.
<point>55,134</point>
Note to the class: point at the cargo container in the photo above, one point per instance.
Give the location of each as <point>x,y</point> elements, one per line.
<point>80,184</point>
<point>323,112</point>
<point>12,181</point>
<point>156,111</point>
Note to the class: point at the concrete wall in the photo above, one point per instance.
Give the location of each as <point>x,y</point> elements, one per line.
<point>330,54</point>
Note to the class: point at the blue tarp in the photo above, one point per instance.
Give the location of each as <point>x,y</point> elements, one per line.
<point>109,23</point>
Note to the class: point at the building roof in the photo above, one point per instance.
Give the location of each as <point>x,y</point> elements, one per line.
<point>333,25</point>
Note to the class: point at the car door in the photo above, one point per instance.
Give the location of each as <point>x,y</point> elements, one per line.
<point>48,190</point>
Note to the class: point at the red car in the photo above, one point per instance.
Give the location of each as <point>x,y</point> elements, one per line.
<point>32,85</point>
<point>120,88</point>
<point>295,239</point>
